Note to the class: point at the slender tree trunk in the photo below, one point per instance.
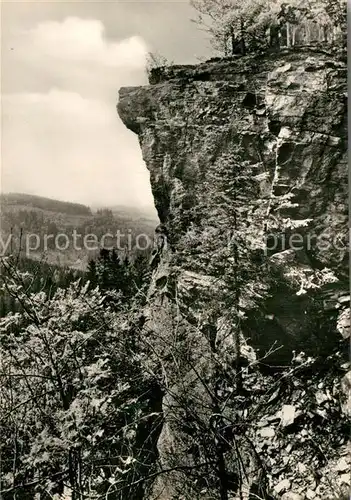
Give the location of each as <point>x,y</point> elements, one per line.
<point>232,39</point>
<point>303,35</point>
<point>308,32</point>
<point>325,33</point>
<point>222,473</point>
<point>225,46</point>
<point>79,472</point>
<point>219,443</point>
<point>238,374</point>
<point>336,31</point>
<point>242,36</point>
<point>72,474</point>
<point>287,34</point>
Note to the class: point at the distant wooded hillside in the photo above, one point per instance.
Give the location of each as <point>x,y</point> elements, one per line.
<point>30,200</point>
<point>27,217</point>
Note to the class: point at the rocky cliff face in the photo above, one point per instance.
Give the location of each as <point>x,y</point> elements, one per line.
<point>248,167</point>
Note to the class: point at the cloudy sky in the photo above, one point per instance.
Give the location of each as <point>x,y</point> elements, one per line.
<point>62,65</point>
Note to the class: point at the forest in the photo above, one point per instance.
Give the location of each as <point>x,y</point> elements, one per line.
<point>36,227</point>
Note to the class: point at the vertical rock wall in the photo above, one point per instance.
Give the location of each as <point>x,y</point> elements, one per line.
<point>283,118</point>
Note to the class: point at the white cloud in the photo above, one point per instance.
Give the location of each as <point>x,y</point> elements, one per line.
<point>61,133</point>
<point>80,40</point>
<point>62,145</point>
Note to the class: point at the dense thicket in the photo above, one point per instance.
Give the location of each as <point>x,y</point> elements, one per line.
<point>239,27</point>
<point>76,404</point>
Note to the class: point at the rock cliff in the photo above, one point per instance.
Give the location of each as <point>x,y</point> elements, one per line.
<point>248,168</point>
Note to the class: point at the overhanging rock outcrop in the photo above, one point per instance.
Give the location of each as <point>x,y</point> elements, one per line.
<point>285,114</point>
<point>278,123</point>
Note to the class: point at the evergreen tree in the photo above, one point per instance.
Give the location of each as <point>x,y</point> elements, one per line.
<point>114,274</point>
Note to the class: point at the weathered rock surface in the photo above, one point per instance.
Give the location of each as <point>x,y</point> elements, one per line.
<point>284,116</point>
